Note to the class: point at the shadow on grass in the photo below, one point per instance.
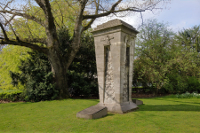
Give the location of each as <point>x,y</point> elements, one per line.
<point>180,107</point>
<point>184,102</point>
<point>95,100</point>
<point>108,115</point>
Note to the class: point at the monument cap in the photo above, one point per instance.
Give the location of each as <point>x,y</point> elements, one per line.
<point>114,23</point>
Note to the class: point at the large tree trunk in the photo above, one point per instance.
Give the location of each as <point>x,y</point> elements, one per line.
<point>60,72</point>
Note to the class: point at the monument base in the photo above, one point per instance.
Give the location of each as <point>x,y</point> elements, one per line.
<point>93,112</point>
<point>120,108</point>
<point>138,102</point>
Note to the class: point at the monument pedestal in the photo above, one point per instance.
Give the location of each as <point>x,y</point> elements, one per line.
<point>120,108</point>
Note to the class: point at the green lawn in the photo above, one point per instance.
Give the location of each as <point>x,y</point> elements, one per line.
<point>156,115</point>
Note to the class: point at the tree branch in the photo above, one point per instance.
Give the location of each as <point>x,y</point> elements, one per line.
<point>92,20</point>
<point>35,40</point>
<point>30,17</point>
<point>89,24</point>
<point>25,44</point>
<point>8,21</point>
<point>4,32</point>
<point>39,2</point>
<point>112,10</point>
<point>50,23</point>
<point>46,7</point>
<point>134,9</point>
<point>7,4</point>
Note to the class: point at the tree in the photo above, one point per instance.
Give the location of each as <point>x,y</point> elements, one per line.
<point>41,12</point>
<point>190,38</point>
<point>153,54</point>
<point>165,60</point>
<point>184,75</point>
<point>35,72</point>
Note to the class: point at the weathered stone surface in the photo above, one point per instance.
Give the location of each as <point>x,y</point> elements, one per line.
<point>120,108</point>
<point>114,48</point>
<point>138,102</point>
<point>114,23</point>
<point>93,112</point>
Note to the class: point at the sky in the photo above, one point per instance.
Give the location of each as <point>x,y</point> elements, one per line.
<point>179,14</point>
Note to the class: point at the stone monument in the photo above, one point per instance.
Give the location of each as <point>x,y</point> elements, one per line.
<point>114,48</point>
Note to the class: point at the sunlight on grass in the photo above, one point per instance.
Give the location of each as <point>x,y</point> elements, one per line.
<point>156,115</point>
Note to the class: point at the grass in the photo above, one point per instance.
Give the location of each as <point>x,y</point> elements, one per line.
<point>163,114</point>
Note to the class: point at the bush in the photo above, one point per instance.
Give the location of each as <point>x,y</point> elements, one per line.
<point>82,72</point>
<point>188,95</point>
<point>37,78</point>
<point>181,84</point>
<point>193,84</point>
<point>12,96</point>
<point>80,85</point>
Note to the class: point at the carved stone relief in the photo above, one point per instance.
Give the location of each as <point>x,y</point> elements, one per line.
<point>109,83</point>
<point>126,71</point>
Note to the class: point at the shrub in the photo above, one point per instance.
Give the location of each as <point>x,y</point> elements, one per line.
<point>17,95</point>
<point>82,72</point>
<point>178,83</point>
<point>193,84</point>
<point>80,85</point>
<point>37,78</point>
<point>188,95</point>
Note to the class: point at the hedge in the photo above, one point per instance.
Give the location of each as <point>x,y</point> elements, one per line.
<point>12,96</point>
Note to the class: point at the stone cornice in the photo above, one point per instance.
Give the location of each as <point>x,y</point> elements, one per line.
<point>114,23</point>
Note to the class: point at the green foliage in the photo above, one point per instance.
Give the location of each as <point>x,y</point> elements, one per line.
<point>82,72</point>
<point>64,16</point>
<point>190,38</point>
<point>80,85</point>
<point>16,95</point>
<point>152,53</point>
<point>37,78</point>
<point>10,57</point>
<point>184,74</point>
<point>181,84</point>
<point>193,84</point>
<point>188,95</point>
<point>167,61</point>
